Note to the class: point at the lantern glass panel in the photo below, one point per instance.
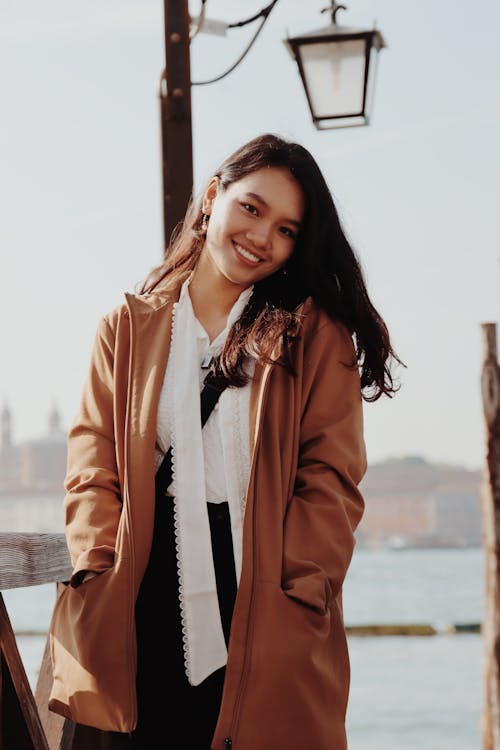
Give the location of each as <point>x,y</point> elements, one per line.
<point>335,75</point>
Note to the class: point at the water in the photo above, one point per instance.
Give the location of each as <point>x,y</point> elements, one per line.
<point>436,586</point>
<point>416,693</point>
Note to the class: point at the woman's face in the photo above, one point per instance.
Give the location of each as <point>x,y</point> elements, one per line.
<point>253,224</point>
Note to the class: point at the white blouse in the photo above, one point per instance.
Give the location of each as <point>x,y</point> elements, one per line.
<point>209,465</point>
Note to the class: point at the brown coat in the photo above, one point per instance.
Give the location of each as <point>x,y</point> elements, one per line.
<point>287,675</point>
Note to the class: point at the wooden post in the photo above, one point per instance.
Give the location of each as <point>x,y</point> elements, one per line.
<point>490,388</point>
<point>175,113</point>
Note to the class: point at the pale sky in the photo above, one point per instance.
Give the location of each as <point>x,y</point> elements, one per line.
<point>417,190</point>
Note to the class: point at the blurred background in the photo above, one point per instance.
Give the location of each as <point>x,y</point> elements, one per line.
<point>417,192</point>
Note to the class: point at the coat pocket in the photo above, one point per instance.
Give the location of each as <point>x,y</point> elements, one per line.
<point>313,591</point>
<point>93,652</point>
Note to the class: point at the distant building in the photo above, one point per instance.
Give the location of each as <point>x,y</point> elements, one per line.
<point>411,502</point>
<point>36,465</point>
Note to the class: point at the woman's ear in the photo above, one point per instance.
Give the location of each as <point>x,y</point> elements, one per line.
<point>209,195</point>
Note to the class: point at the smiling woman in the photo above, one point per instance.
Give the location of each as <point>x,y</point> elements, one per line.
<point>210,544</point>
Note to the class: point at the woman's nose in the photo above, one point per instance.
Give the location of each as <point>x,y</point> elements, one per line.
<point>260,237</point>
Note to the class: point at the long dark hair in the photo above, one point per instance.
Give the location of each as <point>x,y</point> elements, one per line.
<point>323,266</point>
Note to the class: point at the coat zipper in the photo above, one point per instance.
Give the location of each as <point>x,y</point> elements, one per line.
<point>228,742</point>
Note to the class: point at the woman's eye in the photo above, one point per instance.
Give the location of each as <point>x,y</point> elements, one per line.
<point>289,233</point>
<point>248,207</point>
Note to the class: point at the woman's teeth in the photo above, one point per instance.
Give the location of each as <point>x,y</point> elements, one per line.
<point>246,253</point>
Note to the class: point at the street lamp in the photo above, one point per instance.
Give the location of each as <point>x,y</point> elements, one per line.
<point>337,70</point>
<point>335,67</point>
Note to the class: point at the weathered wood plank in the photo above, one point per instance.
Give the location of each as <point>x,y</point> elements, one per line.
<point>21,721</point>
<point>490,388</point>
<point>33,559</point>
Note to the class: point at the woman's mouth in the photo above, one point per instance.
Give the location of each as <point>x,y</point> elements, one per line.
<point>246,255</point>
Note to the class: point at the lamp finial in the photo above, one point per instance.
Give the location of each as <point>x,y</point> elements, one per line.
<point>334,8</point>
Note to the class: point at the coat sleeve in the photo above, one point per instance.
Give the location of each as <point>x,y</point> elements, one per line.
<point>93,500</point>
<point>326,505</point>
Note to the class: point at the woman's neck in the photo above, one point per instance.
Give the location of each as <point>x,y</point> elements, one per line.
<point>212,296</point>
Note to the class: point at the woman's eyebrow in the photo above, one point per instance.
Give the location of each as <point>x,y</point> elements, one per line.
<point>260,199</point>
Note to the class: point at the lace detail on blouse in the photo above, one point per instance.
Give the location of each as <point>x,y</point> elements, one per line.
<point>222,450</point>
<point>169,391</point>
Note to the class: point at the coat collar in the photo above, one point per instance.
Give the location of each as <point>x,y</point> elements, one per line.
<point>144,310</point>
<point>145,304</point>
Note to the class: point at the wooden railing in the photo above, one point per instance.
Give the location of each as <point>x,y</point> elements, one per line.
<point>25,721</point>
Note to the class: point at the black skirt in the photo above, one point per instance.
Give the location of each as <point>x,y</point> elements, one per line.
<point>190,712</point>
